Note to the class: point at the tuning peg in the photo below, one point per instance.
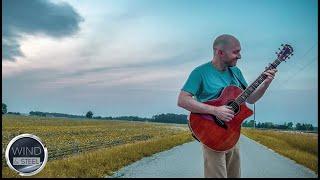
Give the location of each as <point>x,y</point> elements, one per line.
<point>292,54</point>
<point>282,45</point>
<point>288,57</point>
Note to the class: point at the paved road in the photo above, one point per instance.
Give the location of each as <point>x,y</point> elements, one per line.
<point>186,160</point>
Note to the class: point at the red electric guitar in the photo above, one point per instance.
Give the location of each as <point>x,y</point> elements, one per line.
<point>219,135</point>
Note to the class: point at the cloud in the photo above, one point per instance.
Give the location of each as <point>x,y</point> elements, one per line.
<point>35,17</point>
<point>91,51</point>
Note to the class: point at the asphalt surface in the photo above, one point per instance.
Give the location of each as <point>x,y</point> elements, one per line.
<point>186,161</point>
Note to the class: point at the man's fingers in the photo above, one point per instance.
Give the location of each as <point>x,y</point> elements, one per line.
<point>229,116</point>
<point>269,74</point>
<point>229,110</point>
<point>229,107</point>
<point>227,119</point>
<point>272,71</point>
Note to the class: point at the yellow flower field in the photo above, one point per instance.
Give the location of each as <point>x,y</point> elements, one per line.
<point>73,141</point>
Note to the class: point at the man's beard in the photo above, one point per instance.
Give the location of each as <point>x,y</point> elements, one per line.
<point>233,63</point>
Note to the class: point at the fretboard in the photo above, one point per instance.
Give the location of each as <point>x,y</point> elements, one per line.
<point>255,84</point>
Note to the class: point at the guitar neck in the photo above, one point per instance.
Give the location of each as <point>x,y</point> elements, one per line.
<point>255,84</point>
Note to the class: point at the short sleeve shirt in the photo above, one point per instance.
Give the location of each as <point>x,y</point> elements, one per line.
<point>206,82</point>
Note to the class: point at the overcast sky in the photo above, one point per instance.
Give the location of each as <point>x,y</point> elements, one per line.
<point>131,57</point>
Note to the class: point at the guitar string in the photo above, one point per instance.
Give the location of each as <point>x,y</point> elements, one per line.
<point>280,86</point>
<point>258,81</point>
<point>291,71</point>
<point>297,65</point>
<point>235,105</point>
<point>295,73</point>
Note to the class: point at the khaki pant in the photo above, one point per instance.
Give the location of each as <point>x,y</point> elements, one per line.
<point>222,164</point>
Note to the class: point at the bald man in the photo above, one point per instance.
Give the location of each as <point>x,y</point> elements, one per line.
<point>205,83</point>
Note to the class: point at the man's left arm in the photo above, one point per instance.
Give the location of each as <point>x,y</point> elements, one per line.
<point>259,92</point>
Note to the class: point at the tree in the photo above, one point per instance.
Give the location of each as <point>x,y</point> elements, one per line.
<point>4,108</point>
<point>269,125</point>
<point>89,114</point>
<point>259,125</point>
<point>245,124</point>
<point>308,127</point>
<point>290,124</point>
<point>298,126</point>
<point>251,123</point>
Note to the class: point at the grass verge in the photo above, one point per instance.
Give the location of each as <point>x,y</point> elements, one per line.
<point>300,147</point>
<point>103,162</point>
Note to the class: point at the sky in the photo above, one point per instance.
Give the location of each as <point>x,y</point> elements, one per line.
<point>132,57</point>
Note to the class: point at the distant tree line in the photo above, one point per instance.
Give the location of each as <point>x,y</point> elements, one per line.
<point>303,126</point>
<point>171,118</point>
<point>270,125</point>
<point>163,118</point>
<point>47,114</point>
<point>128,118</point>
<point>167,118</point>
<point>15,113</point>
<point>5,110</point>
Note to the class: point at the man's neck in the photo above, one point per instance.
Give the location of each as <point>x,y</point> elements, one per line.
<point>218,64</point>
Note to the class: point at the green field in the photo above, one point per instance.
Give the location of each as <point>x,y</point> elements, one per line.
<point>91,148</point>
<point>298,146</point>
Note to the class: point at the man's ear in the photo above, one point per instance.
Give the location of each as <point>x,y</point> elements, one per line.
<point>220,52</point>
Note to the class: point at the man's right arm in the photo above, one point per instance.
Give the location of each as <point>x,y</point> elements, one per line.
<point>186,101</point>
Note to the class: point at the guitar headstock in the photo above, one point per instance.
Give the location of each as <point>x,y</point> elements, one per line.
<point>285,52</point>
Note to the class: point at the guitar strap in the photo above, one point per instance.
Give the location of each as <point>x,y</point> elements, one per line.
<point>238,79</point>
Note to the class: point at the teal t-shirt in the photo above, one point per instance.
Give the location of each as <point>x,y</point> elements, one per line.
<point>206,82</point>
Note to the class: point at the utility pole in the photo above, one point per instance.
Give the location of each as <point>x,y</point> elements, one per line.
<point>254,115</point>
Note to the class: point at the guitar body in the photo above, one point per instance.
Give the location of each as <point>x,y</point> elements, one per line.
<point>209,133</point>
